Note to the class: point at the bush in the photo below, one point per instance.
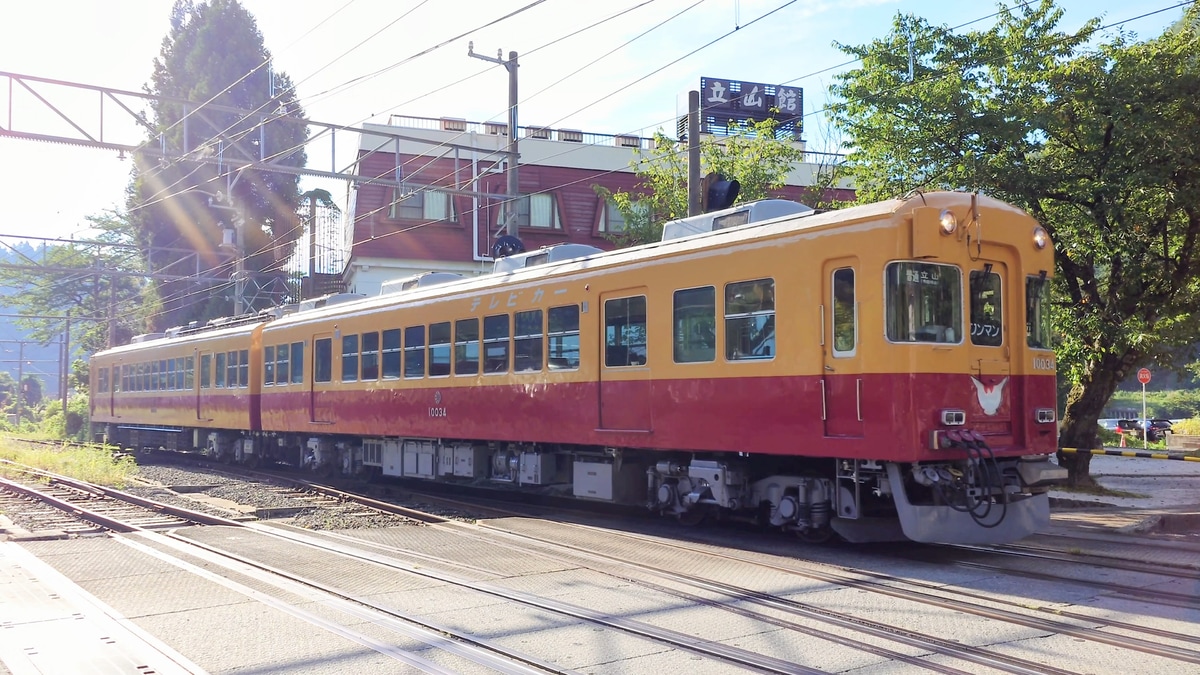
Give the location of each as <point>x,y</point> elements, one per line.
<point>1188,427</point>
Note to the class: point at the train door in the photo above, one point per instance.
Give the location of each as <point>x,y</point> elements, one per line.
<point>990,335</point>
<point>320,403</point>
<point>842,379</point>
<point>625,362</point>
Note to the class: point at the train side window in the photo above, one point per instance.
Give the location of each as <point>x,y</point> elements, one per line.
<point>439,349</point>
<point>244,368</point>
<point>221,369</point>
<point>986,315</point>
<point>466,347</point>
<point>205,371</point>
<point>750,320</point>
<point>625,331</point>
<point>923,302</point>
<point>283,366</point>
<point>349,358</point>
<point>297,362</point>
<point>268,366</point>
<point>370,356</point>
<point>527,341</point>
<point>391,354</point>
<point>323,360</point>
<point>562,337</point>
<point>231,367</point>
<point>414,351</point>
<point>189,373</point>
<point>495,344</point>
<point>695,319</point>
<point>169,375</point>
<point>1037,312</point>
<point>845,313</point>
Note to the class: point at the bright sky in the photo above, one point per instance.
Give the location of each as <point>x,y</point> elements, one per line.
<point>325,45</point>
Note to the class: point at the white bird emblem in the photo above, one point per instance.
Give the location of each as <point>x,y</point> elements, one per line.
<point>990,395</point>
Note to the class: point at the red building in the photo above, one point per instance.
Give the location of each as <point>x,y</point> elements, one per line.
<point>450,205</point>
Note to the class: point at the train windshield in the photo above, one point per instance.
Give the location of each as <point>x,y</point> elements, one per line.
<point>924,302</point>
<point>1037,313</point>
<point>986,317</point>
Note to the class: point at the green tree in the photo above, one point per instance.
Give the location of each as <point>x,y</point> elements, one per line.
<point>239,112</point>
<point>1100,143</point>
<point>93,281</point>
<point>752,155</point>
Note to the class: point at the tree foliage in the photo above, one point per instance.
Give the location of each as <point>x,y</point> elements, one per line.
<point>1098,138</point>
<point>212,62</point>
<point>752,155</point>
<point>97,282</point>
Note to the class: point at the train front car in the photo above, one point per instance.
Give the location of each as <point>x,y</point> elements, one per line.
<point>911,348</point>
<point>963,369</point>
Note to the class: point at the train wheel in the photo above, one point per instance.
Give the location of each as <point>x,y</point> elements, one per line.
<point>692,517</point>
<point>815,535</point>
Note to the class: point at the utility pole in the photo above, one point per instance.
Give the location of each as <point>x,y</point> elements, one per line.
<point>312,246</point>
<point>693,141</point>
<point>513,155</point>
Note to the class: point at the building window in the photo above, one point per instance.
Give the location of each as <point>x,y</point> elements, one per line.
<point>540,211</point>
<point>612,220</point>
<point>420,202</point>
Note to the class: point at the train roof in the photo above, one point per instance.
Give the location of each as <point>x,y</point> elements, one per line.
<point>779,226</point>
<point>552,261</point>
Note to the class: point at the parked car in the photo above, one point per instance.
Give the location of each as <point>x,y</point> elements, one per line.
<point>1109,423</point>
<point>1157,428</point>
<point>1153,429</point>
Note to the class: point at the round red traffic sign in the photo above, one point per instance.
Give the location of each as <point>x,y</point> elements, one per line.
<point>1144,376</point>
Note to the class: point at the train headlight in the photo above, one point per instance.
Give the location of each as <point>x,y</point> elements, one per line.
<point>947,222</point>
<point>1040,237</point>
<point>954,418</point>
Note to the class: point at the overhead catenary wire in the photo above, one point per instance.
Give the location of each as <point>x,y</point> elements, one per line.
<point>817,112</point>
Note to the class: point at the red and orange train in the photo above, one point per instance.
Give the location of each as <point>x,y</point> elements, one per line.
<point>882,372</point>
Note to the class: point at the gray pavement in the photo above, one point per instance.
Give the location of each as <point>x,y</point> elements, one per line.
<point>1156,483</point>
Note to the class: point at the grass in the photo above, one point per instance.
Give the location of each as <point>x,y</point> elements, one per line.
<point>91,464</point>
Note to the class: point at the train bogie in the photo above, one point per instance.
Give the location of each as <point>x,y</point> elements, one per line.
<point>883,372</point>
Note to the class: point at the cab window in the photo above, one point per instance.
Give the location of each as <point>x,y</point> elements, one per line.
<point>924,302</point>
<point>986,317</point>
